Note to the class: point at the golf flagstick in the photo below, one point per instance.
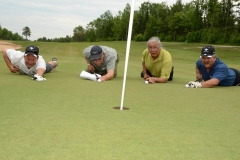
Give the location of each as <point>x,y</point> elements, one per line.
<point>127,52</point>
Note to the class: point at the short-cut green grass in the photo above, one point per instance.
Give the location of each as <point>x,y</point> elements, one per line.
<point>67,117</point>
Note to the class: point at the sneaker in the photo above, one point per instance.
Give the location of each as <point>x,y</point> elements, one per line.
<point>55,60</point>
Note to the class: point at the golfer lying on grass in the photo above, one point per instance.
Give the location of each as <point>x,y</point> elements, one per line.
<point>156,63</point>
<point>28,62</point>
<point>213,71</point>
<point>102,60</point>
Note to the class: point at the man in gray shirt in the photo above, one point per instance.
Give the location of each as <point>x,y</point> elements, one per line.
<point>102,60</point>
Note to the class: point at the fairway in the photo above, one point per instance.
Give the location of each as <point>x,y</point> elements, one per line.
<point>67,117</point>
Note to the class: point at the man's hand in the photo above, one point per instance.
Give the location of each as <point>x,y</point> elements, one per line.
<point>150,79</point>
<point>199,76</point>
<point>38,78</point>
<point>91,68</point>
<point>14,69</point>
<point>145,76</point>
<point>193,84</point>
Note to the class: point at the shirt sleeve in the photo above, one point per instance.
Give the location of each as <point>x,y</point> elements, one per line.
<point>41,63</point>
<point>166,70</point>
<point>167,65</point>
<point>220,73</point>
<point>144,55</point>
<point>14,55</point>
<point>86,52</point>
<point>111,64</point>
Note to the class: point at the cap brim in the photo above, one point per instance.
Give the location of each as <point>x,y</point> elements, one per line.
<point>26,53</point>
<point>206,55</point>
<point>96,56</point>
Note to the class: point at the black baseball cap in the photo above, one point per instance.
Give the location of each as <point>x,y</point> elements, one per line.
<point>32,50</point>
<point>96,53</point>
<point>208,51</point>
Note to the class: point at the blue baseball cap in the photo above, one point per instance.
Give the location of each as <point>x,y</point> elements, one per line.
<point>96,53</point>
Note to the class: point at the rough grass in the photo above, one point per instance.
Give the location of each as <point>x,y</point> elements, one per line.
<point>67,117</point>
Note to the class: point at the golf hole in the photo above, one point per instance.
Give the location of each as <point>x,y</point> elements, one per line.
<point>118,108</point>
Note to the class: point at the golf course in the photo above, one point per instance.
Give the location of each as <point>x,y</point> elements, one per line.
<point>67,117</point>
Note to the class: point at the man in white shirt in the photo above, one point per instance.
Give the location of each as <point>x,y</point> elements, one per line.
<point>28,62</point>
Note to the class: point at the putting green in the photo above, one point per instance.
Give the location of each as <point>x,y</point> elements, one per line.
<point>67,117</point>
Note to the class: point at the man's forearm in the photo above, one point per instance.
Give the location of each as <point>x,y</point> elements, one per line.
<point>40,71</point>
<point>210,83</point>
<point>160,80</point>
<point>6,59</point>
<point>108,76</point>
<point>144,68</point>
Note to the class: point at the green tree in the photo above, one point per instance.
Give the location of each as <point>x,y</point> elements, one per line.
<point>5,34</point>
<point>158,23</point>
<point>90,33</point>
<point>106,25</point>
<point>26,32</point>
<point>226,19</point>
<point>125,21</point>
<point>16,37</point>
<point>176,26</point>
<point>116,28</point>
<point>78,34</point>
<point>142,17</point>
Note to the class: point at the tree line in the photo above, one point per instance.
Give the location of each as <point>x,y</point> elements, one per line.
<point>6,34</point>
<point>206,21</point>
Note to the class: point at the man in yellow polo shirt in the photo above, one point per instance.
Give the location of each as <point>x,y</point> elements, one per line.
<point>156,63</point>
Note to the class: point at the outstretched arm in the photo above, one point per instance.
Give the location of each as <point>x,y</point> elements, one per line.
<point>108,76</point>
<point>40,71</point>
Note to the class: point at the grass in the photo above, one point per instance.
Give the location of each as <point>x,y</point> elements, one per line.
<point>67,117</point>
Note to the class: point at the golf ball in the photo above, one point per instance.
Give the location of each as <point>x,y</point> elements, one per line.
<point>99,80</point>
<point>187,86</point>
<point>146,82</point>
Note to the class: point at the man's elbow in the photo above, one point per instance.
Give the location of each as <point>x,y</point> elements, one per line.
<point>5,51</point>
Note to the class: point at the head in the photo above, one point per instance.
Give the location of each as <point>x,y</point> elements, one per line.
<point>96,55</point>
<point>31,56</point>
<point>208,56</point>
<point>154,46</point>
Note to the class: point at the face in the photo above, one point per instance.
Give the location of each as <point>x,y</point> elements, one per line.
<point>154,49</point>
<point>99,61</point>
<point>208,62</point>
<point>30,60</point>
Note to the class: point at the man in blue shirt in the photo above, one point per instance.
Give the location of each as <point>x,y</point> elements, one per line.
<point>213,71</point>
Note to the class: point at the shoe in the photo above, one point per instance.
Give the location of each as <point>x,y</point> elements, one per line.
<point>55,60</point>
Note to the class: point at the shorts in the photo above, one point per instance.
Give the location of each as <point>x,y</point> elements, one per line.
<point>48,68</point>
<point>237,79</point>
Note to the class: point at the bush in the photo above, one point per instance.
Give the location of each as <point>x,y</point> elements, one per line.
<point>193,37</point>
<point>139,37</point>
<point>235,39</point>
<point>181,38</point>
<point>169,38</point>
